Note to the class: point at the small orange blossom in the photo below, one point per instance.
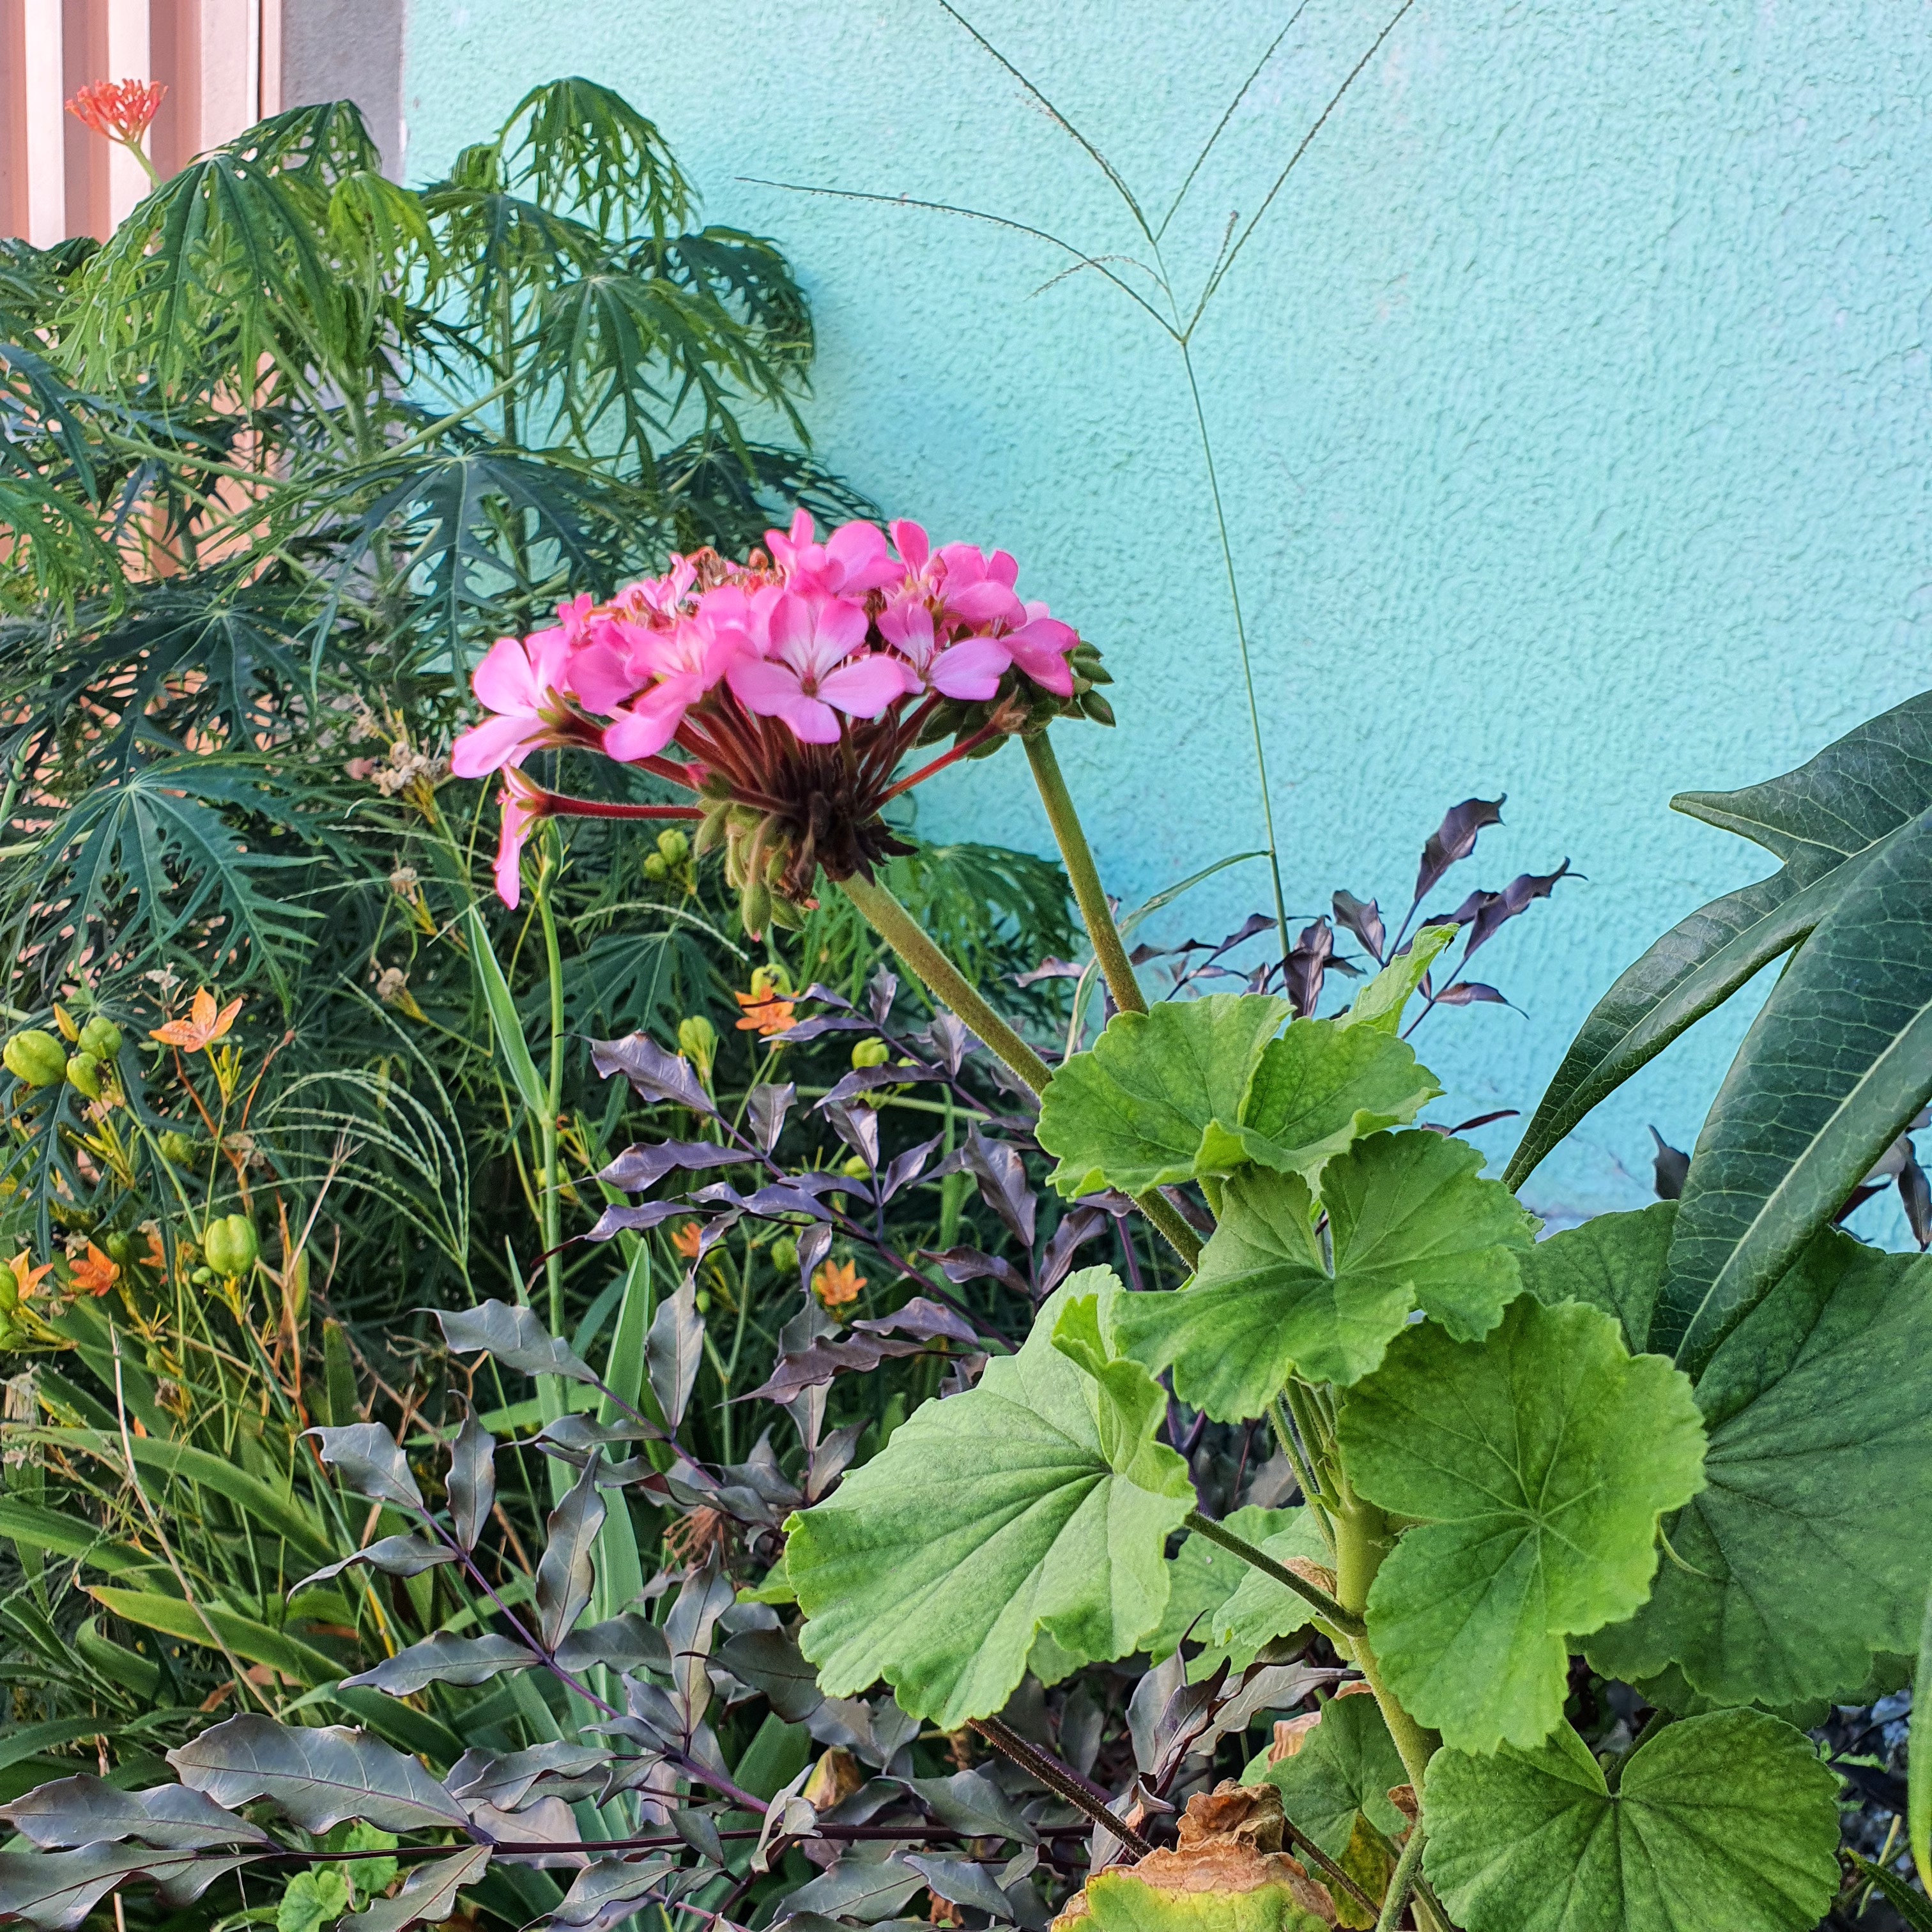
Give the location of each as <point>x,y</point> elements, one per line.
<point>203,1026</point>
<point>94,1273</point>
<point>26,1276</point>
<point>837,1283</point>
<point>686,1240</point>
<point>765,1011</point>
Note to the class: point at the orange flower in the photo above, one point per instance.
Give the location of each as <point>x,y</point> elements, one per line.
<point>26,1276</point>
<point>837,1283</point>
<point>203,1026</point>
<point>765,1012</point>
<point>95,1274</point>
<point>118,110</point>
<point>686,1240</point>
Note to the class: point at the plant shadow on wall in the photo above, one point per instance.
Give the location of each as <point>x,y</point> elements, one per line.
<point>899,1442</point>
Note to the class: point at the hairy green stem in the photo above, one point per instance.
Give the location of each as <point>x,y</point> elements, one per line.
<point>1362,1540</point>
<point>1095,914</point>
<point>1332,1612</point>
<point>1408,1869</point>
<point>951,987</point>
<point>1311,1492</point>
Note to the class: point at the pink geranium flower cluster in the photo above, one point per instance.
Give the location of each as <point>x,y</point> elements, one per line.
<point>792,684</point>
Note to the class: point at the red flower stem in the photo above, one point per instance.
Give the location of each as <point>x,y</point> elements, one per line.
<point>668,768</point>
<point>939,764</point>
<point>556,805</point>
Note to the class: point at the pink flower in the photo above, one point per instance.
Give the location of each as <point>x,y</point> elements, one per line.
<point>978,589</point>
<point>1039,648</point>
<point>524,804</point>
<point>853,560</point>
<point>658,598</point>
<point>971,668</point>
<point>518,680</point>
<point>685,662</point>
<point>807,671</point>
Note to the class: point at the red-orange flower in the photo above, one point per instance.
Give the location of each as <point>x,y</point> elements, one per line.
<point>203,1026</point>
<point>685,1239</point>
<point>837,1283</point>
<point>26,1276</point>
<point>765,1012</point>
<point>94,1273</point>
<point>118,110</point>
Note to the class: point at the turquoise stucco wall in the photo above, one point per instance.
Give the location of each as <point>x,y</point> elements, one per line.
<point>1571,403</point>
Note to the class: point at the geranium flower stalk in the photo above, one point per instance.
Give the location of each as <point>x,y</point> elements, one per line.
<point>121,111</point>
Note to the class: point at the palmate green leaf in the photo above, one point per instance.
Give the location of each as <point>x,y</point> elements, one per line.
<point>1202,1577</point>
<point>1838,1060</point>
<point>1346,1767</point>
<point>990,1519</point>
<point>1379,1004</point>
<point>1538,1463</point>
<point>1823,820</point>
<point>1259,1609</point>
<point>1411,1224</point>
<point>1119,1901</point>
<point>1807,1550</point>
<point>1718,1824</point>
<point>1133,1112</point>
<point>1199,1086</point>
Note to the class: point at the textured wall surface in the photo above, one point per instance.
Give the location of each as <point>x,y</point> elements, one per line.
<point>1570,405</point>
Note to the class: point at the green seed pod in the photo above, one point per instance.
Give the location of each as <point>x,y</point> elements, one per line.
<point>855,1167</point>
<point>202,1276</point>
<point>120,1247</point>
<point>230,1244</point>
<point>83,1074</point>
<point>711,827</point>
<point>784,1254</point>
<point>35,1058</point>
<point>754,906</point>
<point>871,1053</point>
<point>655,870</point>
<point>697,1039</point>
<point>674,845</point>
<point>100,1037</point>
<point>176,1148</point>
<point>1097,708</point>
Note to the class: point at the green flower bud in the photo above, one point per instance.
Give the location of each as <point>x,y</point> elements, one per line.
<point>755,908</point>
<point>36,1058</point>
<point>202,1276</point>
<point>100,1037</point>
<point>83,1074</point>
<point>655,870</point>
<point>856,1167</point>
<point>230,1244</point>
<point>704,1301</point>
<point>176,1148</point>
<point>120,1247</point>
<point>784,1254</point>
<point>674,845</point>
<point>871,1053</point>
<point>697,1039</point>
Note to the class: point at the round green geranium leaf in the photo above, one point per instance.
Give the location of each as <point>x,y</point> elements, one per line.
<point>1038,1502</point>
<point>1723,1823</point>
<point>1347,1766</point>
<point>1537,1462</point>
<point>1805,1555</point>
<point>1411,1224</point>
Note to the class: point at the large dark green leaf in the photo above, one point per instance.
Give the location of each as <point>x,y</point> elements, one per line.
<point>1824,820</point>
<point>1834,1067</point>
<point>1807,1550</point>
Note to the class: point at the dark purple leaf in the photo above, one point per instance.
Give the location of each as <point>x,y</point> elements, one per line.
<point>817,1365</point>
<point>634,1220</point>
<point>565,1576</point>
<point>923,1319</point>
<point>1302,970</point>
<point>964,1264</point>
<point>1514,898</point>
<point>84,1810</point>
<point>949,1040</point>
<point>444,1659</point>
<point>881,993</point>
<point>858,1127</point>
<point>643,1166</point>
<point>1469,993</point>
<point>813,1246</point>
<point>365,1456</point>
<point>1076,1228</point>
<point>907,1167</point>
<point>514,1335</point>
<point>1255,922</point>
<point>1454,839</point>
<point>1915,1196</point>
<point>672,1350</point>
<point>624,1643</point>
<point>766,1106</point>
<point>1188,1712</point>
<point>1476,1120</point>
<point>655,1074</point>
<point>1003,1184</point>
<point>1049,969</point>
<point>394,1556</point>
<point>827,1462</point>
<point>818,990</point>
<point>1670,1166</point>
<point>863,1079</point>
<point>823,1023</point>
<point>768,1661</point>
<point>1363,920</point>
<point>471,1481</point>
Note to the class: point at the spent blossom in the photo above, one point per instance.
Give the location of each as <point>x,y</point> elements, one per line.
<point>783,692</point>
